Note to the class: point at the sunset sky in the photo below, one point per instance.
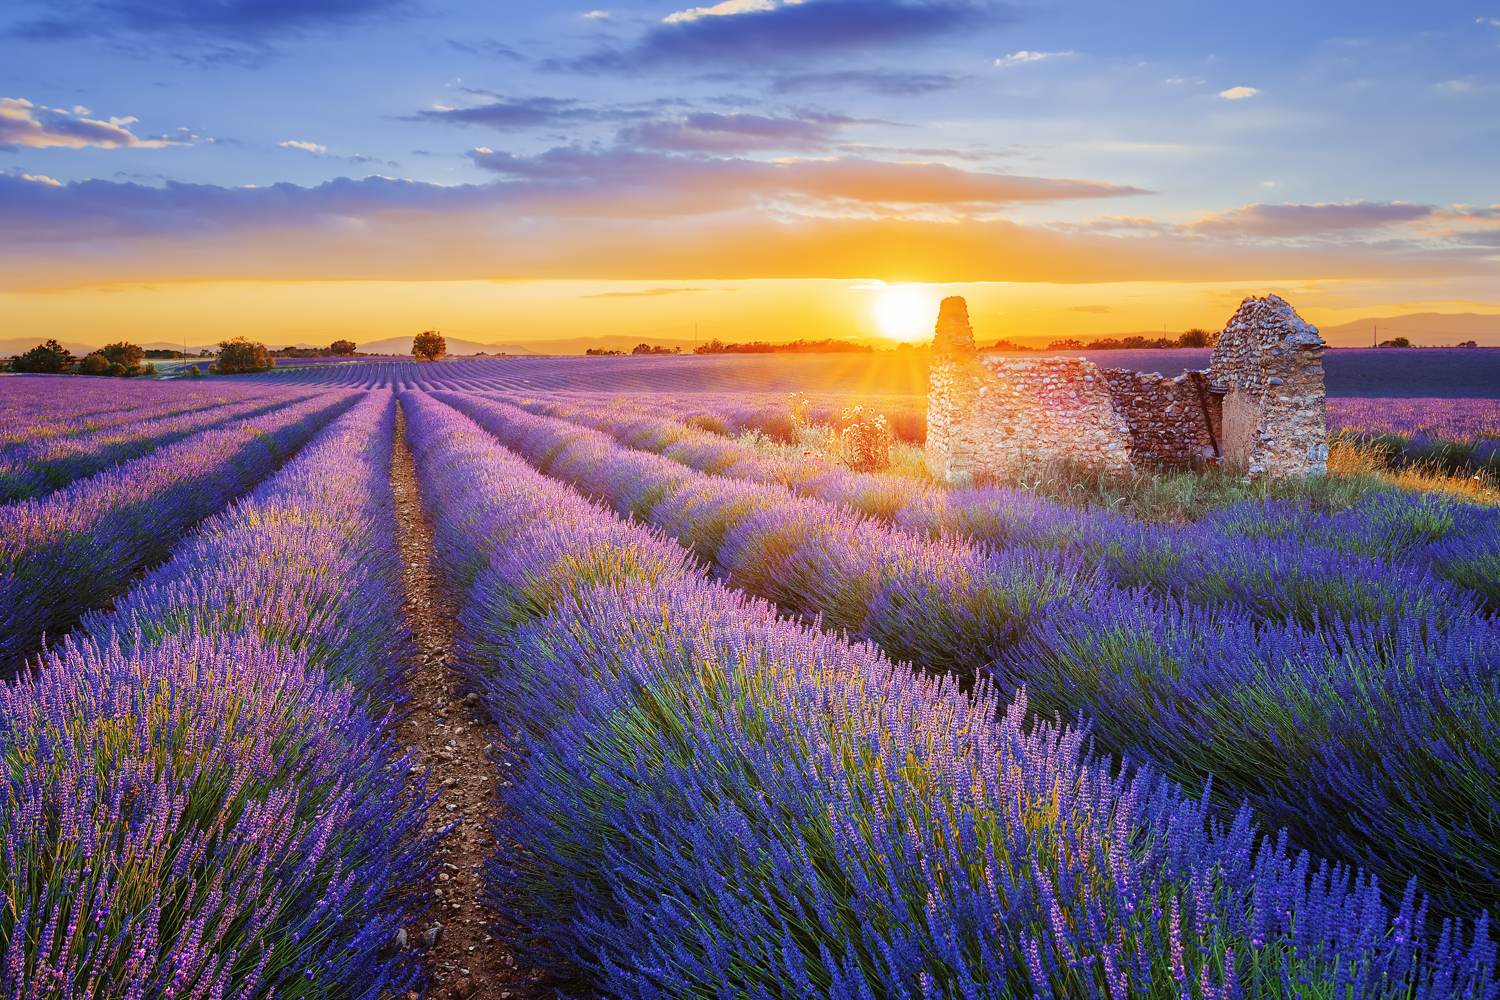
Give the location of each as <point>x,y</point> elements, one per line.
<point>301,170</point>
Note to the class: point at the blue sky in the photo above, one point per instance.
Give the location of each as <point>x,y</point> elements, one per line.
<point>927,140</point>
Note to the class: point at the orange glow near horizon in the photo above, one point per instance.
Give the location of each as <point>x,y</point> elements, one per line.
<point>681,312</point>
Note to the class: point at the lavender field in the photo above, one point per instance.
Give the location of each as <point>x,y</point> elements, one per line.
<point>612,677</point>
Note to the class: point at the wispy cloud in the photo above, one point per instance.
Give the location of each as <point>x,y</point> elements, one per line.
<point>1025,56</point>
<point>649,293</point>
<point>652,182</point>
<point>36,126</point>
<point>315,148</point>
<point>708,132</point>
<point>566,215</point>
<point>1317,219</point>
<point>486,47</point>
<point>242,31</point>
<point>887,83</point>
<point>1239,93</point>
<point>728,8</point>
<point>763,32</point>
<point>1455,88</point>
<point>508,113</point>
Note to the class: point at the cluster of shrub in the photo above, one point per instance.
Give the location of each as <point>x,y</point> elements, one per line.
<point>122,360</point>
<point>638,349</point>
<point>1195,337</point>
<point>824,346</point>
<point>237,356</point>
<point>337,349</point>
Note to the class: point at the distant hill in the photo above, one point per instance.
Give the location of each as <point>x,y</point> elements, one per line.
<point>11,346</point>
<point>456,345</point>
<point>1422,329</point>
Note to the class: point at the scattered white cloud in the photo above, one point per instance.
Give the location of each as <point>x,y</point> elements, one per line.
<point>315,148</point>
<point>1491,22</point>
<point>1239,93</point>
<point>1270,184</point>
<point>1027,56</point>
<point>1455,88</point>
<point>37,126</point>
<point>596,15</point>
<point>1182,81</point>
<point>41,179</point>
<point>728,8</point>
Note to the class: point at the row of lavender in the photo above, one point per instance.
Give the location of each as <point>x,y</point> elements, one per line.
<point>73,549</point>
<point>37,406</point>
<point>716,801</point>
<point>37,466</point>
<point>201,795</point>
<point>1399,538</point>
<point>1369,731</point>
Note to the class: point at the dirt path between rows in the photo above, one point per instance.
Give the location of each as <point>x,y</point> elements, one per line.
<point>450,739</point>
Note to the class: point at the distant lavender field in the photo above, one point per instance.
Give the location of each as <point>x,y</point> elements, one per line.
<point>1436,373</point>
<point>1433,373</point>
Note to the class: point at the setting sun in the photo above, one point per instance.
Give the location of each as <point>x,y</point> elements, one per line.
<point>905,312</point>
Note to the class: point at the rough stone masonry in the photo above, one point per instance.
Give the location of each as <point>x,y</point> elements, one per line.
<point>1259,408</point>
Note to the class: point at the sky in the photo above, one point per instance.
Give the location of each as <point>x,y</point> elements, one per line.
<point>304,170</point>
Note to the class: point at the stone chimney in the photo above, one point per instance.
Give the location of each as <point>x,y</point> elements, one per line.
<point>953,336</point>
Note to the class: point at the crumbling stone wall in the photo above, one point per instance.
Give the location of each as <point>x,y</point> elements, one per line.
<point>1259,407</point>
<point>1173,421</point>
<point>1000,416</point>
<point>1269,365</point>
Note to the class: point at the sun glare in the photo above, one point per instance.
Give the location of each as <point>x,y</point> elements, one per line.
<point>905,312</point>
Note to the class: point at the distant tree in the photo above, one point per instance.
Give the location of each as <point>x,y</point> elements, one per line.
<point>1396,342</point>
<point>47,357</point>
<point>239,355</point>
<point>1467,343</point>
<point>94,364</point>
<point>654,349</point>
<point>1065,345</point>
<point>343,347</point>
<point>124,358</point>
<point>1197,337</point>
<point>602,352</point>
<point>429,345</point>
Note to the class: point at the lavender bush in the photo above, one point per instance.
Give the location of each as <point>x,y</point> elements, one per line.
<point>201,817</point>
<point>37,406</point>
<point>36,467</point>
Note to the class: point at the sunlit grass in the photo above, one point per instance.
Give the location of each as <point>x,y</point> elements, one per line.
<point>1356,469</point>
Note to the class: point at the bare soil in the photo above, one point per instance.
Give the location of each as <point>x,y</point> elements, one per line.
<point>450,739</point>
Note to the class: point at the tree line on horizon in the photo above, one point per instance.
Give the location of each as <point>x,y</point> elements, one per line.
<point>236,356</point>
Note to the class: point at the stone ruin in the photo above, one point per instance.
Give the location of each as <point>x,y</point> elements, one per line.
<point>1259,408</point>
